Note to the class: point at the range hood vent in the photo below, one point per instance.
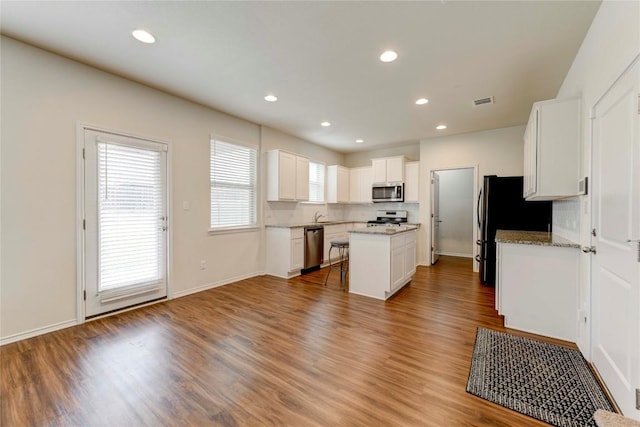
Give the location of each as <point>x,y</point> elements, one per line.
<point>483,101</point>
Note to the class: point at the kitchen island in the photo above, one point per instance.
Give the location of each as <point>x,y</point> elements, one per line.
<point>381,260</point>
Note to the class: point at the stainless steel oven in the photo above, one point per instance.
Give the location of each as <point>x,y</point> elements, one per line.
<point>387,193</point>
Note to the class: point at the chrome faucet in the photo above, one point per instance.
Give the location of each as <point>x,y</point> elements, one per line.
<point>317,216</point>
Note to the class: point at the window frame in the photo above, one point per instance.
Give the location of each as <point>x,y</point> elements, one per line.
<point>256,187</point>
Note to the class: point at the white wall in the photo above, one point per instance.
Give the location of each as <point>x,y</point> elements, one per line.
<point>494,152</point>
<point>43,97</point>
<point>456,203</point>
<point>611,44</point>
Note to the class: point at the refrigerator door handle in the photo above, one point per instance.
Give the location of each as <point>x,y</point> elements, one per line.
<point>478,209</point>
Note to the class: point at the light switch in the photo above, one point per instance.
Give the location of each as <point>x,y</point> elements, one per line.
<point>186,206</point>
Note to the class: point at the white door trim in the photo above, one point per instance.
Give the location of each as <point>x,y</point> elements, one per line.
<point>80,213</point>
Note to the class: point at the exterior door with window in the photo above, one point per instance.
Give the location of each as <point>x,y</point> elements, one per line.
<point>615,268</point>
<point>125,211</point>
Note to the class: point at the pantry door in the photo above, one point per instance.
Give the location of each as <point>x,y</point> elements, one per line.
<point>435,217</point>
<point>125,229</point>
<point>615,299</point>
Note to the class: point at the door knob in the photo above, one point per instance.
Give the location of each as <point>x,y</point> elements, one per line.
<point>589,249</point>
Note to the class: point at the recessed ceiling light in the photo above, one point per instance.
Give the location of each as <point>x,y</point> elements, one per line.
<point>143,36</point>
<point>359,141</point>
<point>271,98</point>
<point>421,101</point>
<point>388,56</point>
<point>441,127</point>
<point>325,124</point>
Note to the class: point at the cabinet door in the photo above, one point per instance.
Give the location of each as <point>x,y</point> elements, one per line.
<point>343,185</point>
<point>397,267</point>
<point>379,170</point>
<point>530,154</point>
<point>286,176</point>
<point>366,181</point>
<point>409,259</point>
<point>302,178</point>
<point>395,169</point>
<point>297,254</point>
<point>411,182</point>
<point>354,185</point>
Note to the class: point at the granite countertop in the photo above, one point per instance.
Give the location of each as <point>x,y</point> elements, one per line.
<point>310,224</point>
<point>541,238</point>
<point>384,230</point>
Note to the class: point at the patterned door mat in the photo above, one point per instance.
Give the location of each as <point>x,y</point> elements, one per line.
<point>545,381</point>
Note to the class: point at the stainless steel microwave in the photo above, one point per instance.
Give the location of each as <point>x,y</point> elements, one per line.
<point>387,193</point>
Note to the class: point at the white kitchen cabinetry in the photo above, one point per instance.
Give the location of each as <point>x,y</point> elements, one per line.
<point>287,176</point>
<point>337,184</point>
<point>285,251</point>
<point>360,180</point>
<point>333,233</point>
<point>411,179</point>
<point>381,264</point>
<point>552,150</point>
<point>388,169</point>
<point>536,289</point>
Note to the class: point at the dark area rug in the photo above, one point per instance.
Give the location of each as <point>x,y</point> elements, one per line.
<point>545,381</point>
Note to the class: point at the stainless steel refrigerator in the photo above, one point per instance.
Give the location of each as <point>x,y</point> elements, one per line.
<point>501,206</point>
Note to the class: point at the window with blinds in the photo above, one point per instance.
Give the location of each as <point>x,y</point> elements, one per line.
<point>316,182</point>
<point>233,172</point>
<point>130,216</point>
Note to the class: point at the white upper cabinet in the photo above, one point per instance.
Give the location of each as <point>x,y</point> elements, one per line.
<point>337,184</point>
<point>552,150</point>
<point>411,182</point>
<point>287,176</point>
<point>302,178</point>
<point>388,169</point>
<point>360,184</point>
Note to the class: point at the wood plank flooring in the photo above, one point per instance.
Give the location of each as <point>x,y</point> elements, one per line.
<point>266,351</point>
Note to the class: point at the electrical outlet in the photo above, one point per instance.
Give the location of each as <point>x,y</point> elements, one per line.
<point>186,205</point>
<point>203,265</point>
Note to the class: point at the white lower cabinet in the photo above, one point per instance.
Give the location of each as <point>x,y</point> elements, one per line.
<point>333,233</point>
<point>285,251</point>
<point>537,288</point>
<point>380,264</point>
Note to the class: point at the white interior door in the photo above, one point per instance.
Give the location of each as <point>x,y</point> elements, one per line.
<point>615,301</point>
<point>125,211</point>
<point>435,216</point>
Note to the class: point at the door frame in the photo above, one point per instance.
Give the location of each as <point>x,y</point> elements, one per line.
<point>80,215</point>
<point>476,183</point>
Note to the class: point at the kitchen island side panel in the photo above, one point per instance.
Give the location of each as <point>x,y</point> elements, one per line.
<point>369,264</point>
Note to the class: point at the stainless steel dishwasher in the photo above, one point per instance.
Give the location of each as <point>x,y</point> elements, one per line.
<point>313,248</point>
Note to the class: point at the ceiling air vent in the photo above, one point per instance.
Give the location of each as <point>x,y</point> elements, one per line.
<point>482,101</point>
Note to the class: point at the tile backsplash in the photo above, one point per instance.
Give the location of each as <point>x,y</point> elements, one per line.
<point>286,213</point>
<point>566,219</point>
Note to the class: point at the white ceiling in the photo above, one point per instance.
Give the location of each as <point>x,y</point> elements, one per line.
<point>321,58</point>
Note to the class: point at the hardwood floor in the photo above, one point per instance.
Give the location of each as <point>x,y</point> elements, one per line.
<point>266,351</point>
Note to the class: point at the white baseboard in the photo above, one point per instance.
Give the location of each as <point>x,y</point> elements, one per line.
<point>214,285</point>
<point>458,254</point>
<point>38,331</point>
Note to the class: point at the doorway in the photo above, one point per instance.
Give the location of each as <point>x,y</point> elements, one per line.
<point>452,212</point>
<point>124,206</point>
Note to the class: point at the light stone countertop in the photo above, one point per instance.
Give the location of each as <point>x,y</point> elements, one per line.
<point>310,224</point>
<point>387,231</point>
<point>540,238</point>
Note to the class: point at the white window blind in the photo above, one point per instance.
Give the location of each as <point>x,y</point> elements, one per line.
<point>130,216</point>
<point>316,182</point>
<point>233,170</point>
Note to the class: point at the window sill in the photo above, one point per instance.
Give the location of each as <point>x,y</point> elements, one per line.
<point>228,230</point>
